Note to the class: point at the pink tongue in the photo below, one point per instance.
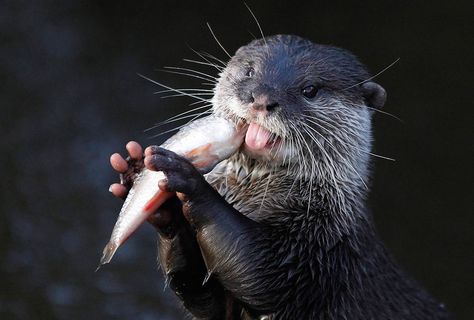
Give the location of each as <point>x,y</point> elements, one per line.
<point>257,137</point>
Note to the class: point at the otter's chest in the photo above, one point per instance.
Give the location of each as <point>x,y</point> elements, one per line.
<point>262,196</point>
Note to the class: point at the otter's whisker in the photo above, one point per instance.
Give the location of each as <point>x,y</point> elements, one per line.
<point>208,105</point>
<point>303,145</point>
<point>177,128</point>
<point>333,173</point>
<point>204,63</point>
<point>198,102</point>
<point>341,141</point>
<point>374,76</point>
<point>286,156</point>
<point>291,188</point>
<point>310,187</point>
<point>312,174</point>
<point>182,95</point>
<point>339,154</point>
<point>258,24</point>
<point>217,40</point>
<point>170,88</point>
<point>179,119</point>
<point>269,178</point>
<point>251,33</point>
<point>386,113</point>
<point>184,90</point>
<point>188,75</point>
<point>207,54</point>
<point>280,148</point>
<point>302,164</point>
<point>203,56</point>
<point>343,144</point>
<point>300,139</point>
<point>179,115</point>
<point>211,77</point>
<point>326,157</point>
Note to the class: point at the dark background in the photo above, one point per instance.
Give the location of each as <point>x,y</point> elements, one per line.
<point>70,96</point>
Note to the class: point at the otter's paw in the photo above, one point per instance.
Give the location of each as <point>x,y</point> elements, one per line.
<point>128,168</point>
<point>181,175</point>
<point>135,166</point>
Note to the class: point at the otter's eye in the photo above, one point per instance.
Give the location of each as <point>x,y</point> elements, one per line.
<point>250,72</point>
<point>310,92</point>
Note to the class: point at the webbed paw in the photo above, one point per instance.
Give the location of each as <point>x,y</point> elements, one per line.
<point>128,168</point>
<point>181,175</point>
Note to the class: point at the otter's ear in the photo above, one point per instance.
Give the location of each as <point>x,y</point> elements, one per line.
<point>374,94</point>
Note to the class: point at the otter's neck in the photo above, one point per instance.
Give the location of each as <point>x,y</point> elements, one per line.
<point>339,254</point>
<point>286,194</point>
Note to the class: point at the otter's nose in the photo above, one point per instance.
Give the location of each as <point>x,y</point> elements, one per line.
<point>262,103</point>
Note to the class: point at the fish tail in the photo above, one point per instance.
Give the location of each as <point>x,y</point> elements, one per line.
<point>107,254</point>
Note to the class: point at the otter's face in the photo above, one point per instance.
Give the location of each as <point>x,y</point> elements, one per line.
<point>298,98</point>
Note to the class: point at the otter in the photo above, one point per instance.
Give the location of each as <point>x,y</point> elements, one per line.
<point>281,230</point>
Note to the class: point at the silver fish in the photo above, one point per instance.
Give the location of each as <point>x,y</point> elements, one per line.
<point>205,142</point>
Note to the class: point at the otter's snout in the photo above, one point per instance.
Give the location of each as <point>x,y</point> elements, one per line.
<point>261,102</point>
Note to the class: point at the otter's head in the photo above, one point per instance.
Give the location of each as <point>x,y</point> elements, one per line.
<point>306,104</point>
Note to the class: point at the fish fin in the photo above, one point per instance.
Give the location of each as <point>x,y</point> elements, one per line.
<point>191,155</point>
<point>206,165</point>
<point>158,199</point>
<point>107,254</point>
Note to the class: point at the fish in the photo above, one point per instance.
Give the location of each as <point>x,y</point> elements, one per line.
<point>204,142</point>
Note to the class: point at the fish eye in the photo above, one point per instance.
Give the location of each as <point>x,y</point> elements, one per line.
<point>309,91</point>
<point>250,72</point>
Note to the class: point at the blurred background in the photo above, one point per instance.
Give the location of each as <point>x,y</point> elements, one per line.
<point>70,96</point>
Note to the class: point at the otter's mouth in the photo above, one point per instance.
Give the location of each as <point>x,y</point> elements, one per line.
<point>259,138</point>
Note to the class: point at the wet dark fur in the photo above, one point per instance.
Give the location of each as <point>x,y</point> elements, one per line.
<point>255,240</point>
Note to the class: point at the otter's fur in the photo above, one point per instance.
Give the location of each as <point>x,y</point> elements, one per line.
<point>288,234</point>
